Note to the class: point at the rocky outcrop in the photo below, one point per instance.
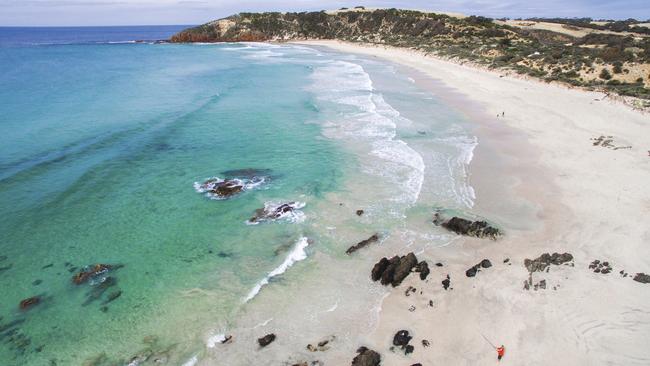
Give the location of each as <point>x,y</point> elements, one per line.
<point>485,263</point>
<point>542,262</point>
<point>366,357</point>
<point>276,211</point>
<point>393,271</point>
<point>642,277</point>
<point>479,229</point>
<point>93,272</point>
<point>403,269</point>
<point>379,269</point>
<point>364,243</point>
<point>266,340</point>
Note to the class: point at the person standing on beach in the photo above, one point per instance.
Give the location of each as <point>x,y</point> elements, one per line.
<point>501,350</point>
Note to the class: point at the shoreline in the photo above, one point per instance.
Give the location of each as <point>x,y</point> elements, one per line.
<point>585,199</point>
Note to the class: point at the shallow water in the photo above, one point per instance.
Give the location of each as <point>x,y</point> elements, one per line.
<point>101,145</point>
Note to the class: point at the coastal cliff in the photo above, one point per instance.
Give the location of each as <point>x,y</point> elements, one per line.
<point>616,61</point>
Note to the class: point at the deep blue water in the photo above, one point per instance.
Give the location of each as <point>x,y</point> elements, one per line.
<point>30,36</point>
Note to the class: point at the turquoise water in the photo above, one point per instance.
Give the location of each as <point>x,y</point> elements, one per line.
<point>100,148</point>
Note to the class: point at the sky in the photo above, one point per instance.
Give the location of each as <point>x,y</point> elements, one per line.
<point>187,12</point>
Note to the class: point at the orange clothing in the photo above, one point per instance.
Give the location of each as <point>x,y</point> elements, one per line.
<point>501,351</point>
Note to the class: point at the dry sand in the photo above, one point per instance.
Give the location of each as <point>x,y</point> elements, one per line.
<point>590,201</point>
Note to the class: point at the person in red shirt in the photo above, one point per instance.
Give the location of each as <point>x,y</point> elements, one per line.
<point>500,352</point>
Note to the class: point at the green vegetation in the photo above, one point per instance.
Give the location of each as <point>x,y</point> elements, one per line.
<point>552,56</point>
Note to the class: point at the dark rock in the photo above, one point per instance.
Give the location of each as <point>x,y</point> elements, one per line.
<point>485,263</point>
<point>542,262</point>
<point>227,188</point>
<point>29,303</point>
<point>274,212</point>
<point>379,268</point>
<point>438,264</point>
<point>362,244</point>
<point>99,289</point>
<point>425,343</point>
<point>37,282</point>
<point>642,277</point>
<point>542,284</point>
<point>423,269</point>
<point>479,229</point>
<point>404,268</point>
<point>416,364</point>
<point>472,271</point>
<point>360,212</point>
<point>366,357</point>
<point>112,296</point>
<point>266,340</point>
<point>47,266</point>
<point>92,272</point>
<point>408,349</point>
<point>446,282</point>
<point>401,338</point>
<point>387,275</point>
<point>506,260</point>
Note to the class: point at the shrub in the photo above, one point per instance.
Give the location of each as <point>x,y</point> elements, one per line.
<point>605,75</point>
<point>618,68</point>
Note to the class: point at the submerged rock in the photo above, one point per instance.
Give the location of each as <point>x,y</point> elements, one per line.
<point>642,277</point>
<point>218,188</point>
<point>92,272</point>
<point>364,243</point>
<point>29,303</point>
<point>393,271</point>
<point>266,340</point>
<point>248,173</point>
<point>479,229</point>
<point>542,262</point>
<point>276,211</point>
<point>366,357</point>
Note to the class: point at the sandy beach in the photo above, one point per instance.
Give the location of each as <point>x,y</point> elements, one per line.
<point>539,173</point>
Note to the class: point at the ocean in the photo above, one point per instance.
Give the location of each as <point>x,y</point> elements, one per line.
<point>105,143</point>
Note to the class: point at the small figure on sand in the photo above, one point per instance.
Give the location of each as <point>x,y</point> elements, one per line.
<point>503,114</point>
<point>501,350</point>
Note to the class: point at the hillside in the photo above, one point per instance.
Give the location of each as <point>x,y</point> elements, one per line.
<point>615,62</point>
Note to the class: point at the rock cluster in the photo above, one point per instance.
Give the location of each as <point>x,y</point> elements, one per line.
<point>320,346</point>
<point>393,271</point>
<point>528,284</point>
<point>364,243</point>
<point>485,263</point>
<point>600,267</point>
<point>223,188</point>
<point>544,261</point>
<point>423,269</point>
<point>366,357</point>
<point>274,211</point>
<point>402,339</point>
<point>479,229</point>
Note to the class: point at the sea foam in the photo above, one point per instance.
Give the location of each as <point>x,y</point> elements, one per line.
<point>297,254</point>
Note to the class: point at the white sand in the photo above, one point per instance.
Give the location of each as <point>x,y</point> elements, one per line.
<point>590,201</point>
